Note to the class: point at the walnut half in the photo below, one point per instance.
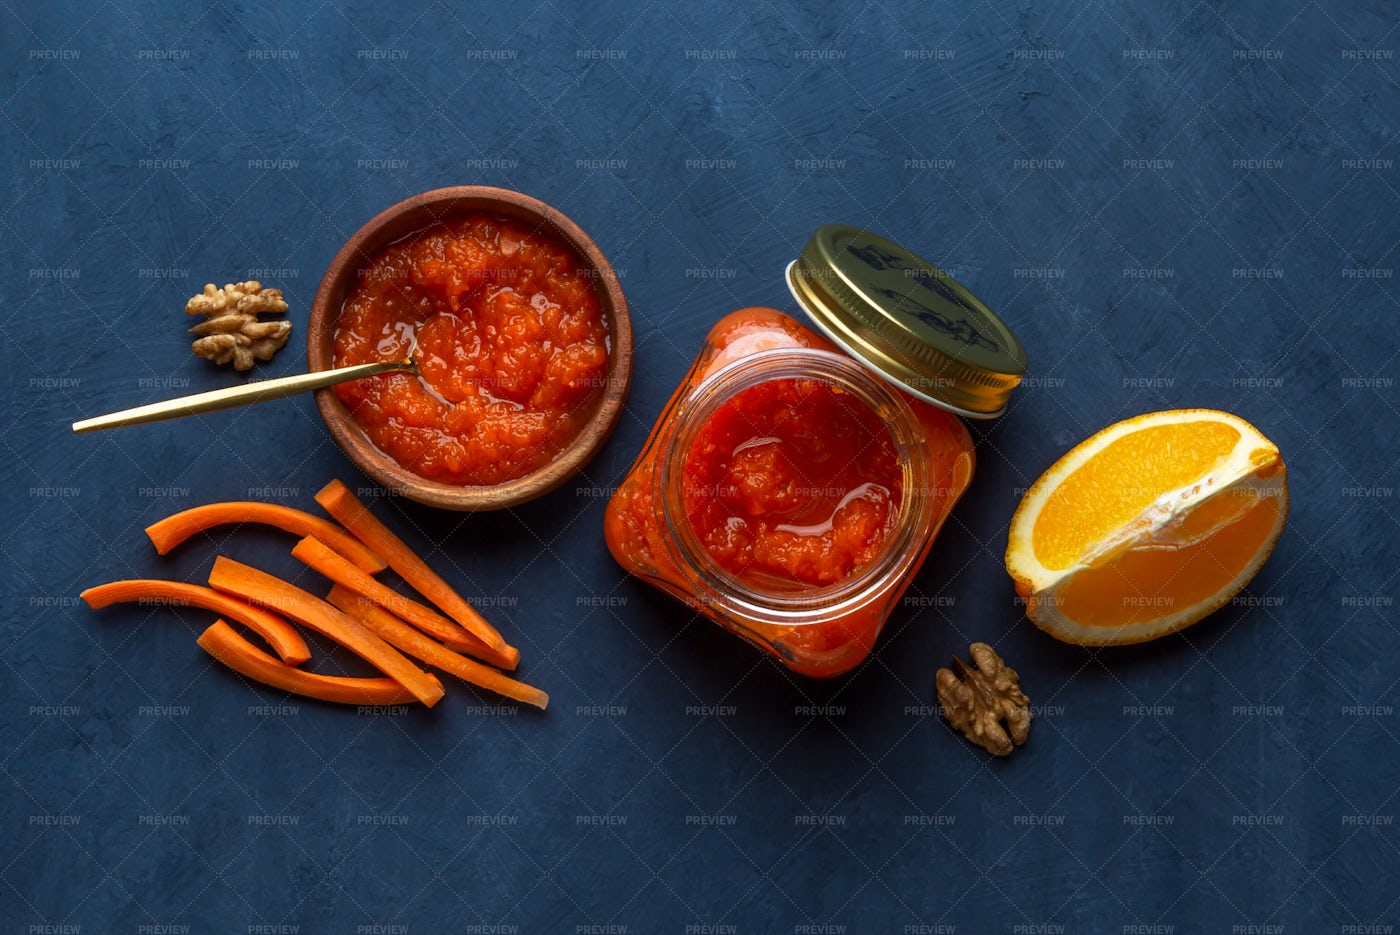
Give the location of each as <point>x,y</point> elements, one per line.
<point>231,330</point>
<point>977,701</point>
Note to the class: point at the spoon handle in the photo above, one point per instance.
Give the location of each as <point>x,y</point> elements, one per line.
<point>255,392</point>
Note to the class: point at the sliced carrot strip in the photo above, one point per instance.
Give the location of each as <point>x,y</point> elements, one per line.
<point>171,531</point>
<point>225,644</point>
<point>280,635</point>
<point>406,638</point>
<point>339,501</point>
<point>271,591</point>
<point>321,558</point>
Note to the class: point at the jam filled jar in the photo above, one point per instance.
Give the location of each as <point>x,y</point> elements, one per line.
<point>796,479</point>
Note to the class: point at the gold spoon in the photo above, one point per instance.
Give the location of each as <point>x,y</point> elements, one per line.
<point>255,392</point>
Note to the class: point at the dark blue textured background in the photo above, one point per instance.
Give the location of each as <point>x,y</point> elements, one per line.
<point>1189,204</point>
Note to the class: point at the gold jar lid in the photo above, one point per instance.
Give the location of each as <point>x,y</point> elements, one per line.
<point>912,323</point>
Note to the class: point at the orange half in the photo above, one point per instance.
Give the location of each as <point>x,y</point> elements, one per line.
<point>1147,527</point>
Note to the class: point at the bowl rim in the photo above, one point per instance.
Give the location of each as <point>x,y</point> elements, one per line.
<point>416,213</point>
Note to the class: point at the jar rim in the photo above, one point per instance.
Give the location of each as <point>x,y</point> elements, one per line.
<point>810,605</point>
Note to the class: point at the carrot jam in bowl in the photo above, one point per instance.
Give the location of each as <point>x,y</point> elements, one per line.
<point>520,334</point>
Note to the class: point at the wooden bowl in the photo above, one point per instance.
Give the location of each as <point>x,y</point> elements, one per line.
<point>413,215</point>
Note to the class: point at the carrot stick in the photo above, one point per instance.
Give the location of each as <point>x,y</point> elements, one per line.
<point>171,531</point>
<point>280,635</point>
<point>339,501</point>
<point>400,634</point>
<point>271,591</point>
<point>319,557</point>
<point>223,643</point>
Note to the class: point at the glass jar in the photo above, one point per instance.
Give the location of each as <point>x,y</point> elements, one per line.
<point>853,427</point>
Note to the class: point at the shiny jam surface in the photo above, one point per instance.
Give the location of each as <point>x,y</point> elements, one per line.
<point>511,344</point>
<point>792,480</point>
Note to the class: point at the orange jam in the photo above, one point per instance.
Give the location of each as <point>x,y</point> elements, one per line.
<point>511,344</point>
<point>809,493</point>
<point>793,479</point>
